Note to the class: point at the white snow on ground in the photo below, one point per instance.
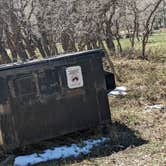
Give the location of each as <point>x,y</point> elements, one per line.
<point>118,91</point>
<point>59,153</point>
<point>149,108</point>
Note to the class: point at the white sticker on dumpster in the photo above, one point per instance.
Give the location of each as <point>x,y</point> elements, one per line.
<point>74,77</point>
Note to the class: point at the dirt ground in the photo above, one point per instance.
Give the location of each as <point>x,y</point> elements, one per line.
<point>137,137</point>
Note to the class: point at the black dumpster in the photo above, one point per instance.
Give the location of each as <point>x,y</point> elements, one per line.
<point>46,98</point>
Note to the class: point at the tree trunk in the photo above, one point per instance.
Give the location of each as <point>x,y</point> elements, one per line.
<point>110,43</point>
<point>119,45</point>
<point>143,47</point>
<point>4,56</point>
<point>11,46</point>
<point>148,28</point>
<point>112,66</point>
<point>21,50</point>
<point>109,38</point>
<point>45,44</point>
<point>117,36</point>
<point>30,47</point>
<point>39,46</point>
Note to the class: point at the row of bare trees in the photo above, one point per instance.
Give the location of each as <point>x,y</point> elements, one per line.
<point>38,28</point>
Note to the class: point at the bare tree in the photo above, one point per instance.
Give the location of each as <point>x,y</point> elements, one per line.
<point>149,14</point>
<point>33,28</point>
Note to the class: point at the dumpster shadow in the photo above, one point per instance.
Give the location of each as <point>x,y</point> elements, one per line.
<point>121,137</point>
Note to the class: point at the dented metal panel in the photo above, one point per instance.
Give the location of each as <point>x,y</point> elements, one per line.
<point>48,98</point>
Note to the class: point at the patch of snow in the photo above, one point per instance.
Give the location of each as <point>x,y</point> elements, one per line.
<point>149,108</point>
<point>59,153</point>
<point>157,106</point>
<point>118,91</point>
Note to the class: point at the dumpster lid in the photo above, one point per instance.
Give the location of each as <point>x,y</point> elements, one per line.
<point>95,52</point>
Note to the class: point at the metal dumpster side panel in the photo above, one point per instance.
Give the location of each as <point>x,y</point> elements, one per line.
<point>9,139</point>
<point>101,93</point>
<point>75,109</point>
<point>40,117</point>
